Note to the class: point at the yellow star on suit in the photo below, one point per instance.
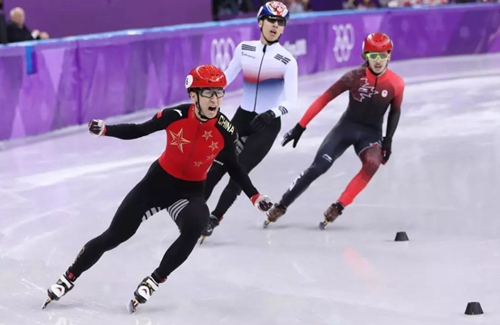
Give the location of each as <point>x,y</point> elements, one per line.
<point>178,140</point>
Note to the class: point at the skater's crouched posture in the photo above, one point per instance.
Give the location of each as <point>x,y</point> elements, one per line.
<point>373,88</point>
<point>196,134</point>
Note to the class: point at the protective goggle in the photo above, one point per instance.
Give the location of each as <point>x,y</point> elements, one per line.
<point>209,92</point>
<point>377,56</point>
<point>281,21</point>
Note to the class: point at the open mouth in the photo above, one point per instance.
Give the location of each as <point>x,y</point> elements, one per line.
<point>212,108</point>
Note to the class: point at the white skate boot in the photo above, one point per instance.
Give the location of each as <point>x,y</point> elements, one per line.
<point>60,288</point>
<point>143,292</point>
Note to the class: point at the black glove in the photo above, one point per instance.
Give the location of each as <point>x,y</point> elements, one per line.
<point>262,120</point>
<point>293,134</point>
<point>386,149</point>
<point>97,127</point>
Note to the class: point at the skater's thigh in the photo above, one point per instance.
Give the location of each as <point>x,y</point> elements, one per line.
<point>191,215</point>
<point>142,202</point>
<point>335,144</point>
<point>241,121</point>
<point>367,139</point>
<point>258,145</point>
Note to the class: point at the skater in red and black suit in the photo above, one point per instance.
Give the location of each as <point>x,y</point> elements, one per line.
<point>372,89</point>
<point>196,134</point>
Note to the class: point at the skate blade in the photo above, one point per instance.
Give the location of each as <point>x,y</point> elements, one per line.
<point>266,223</point>
<point>132,306</point>
<point>48,301</point>
<point>202,239</point>
<point>323,224</point>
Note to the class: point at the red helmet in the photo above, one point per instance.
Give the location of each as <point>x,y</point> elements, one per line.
<point>377,42</point>
<point>206,76</point>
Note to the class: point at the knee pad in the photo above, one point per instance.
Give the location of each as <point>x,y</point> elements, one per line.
<point>371,161</point>
<point>371,166</point>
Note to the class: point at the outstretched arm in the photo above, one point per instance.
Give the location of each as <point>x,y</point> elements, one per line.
<point>129,131</point>
<point>341,85</point>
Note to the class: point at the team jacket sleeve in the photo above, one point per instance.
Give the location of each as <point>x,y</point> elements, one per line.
<point>129,131</point>
<point>395,111</point>
<point>234,66</point>
<point>235,170</point>
<point>341,85</point>
<point>291,89</point>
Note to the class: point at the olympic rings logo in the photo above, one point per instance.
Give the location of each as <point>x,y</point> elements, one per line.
<point>221,52</point>
<point>344,42</point>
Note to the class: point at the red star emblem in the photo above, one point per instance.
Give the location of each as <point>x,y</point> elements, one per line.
<point>207,134</point>
<point>178,140</point>
<point>213,146</point>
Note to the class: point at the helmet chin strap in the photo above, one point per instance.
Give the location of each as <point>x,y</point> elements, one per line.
<point>200,114</point>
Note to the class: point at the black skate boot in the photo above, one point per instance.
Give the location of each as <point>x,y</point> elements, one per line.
<point>331,214</point>
<point>214,222</point>
<point>274,213</point>
<point>143,292</point>
<point>63,285</point>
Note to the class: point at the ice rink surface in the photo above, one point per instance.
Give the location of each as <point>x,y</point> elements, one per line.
<point>441,186</point>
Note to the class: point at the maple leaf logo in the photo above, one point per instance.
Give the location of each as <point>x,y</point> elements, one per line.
<point>364,91</point>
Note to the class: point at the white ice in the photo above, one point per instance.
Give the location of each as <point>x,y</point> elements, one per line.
<point>440,186</point>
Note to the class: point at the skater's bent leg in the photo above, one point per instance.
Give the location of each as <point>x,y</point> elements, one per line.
<point>330,150</point>
<point>137,204</point>
<point>305,179</point>
<point>371,159</point>
<point>192,220</point>
<point>227,198</point>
